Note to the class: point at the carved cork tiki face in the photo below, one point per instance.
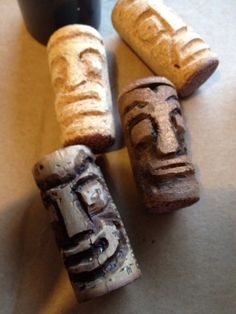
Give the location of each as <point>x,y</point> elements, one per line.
<point>165,43</point>
<point>79,72</point>
<point>154,131</point>
<point>76,57</point>
<point>88,228</point>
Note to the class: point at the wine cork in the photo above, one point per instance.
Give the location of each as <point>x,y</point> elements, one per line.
<point>165,43</point>
<point>88,228</point>
<point>78,66</point>
<point>154,132</point>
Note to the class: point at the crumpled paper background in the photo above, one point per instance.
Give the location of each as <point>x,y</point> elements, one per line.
<point>188,258</point>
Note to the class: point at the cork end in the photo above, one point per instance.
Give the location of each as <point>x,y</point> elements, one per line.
<point>178,194</point>
<point>90,295</point>
<point>166,208</point>
<point>98,143</point>
<point>201,76</point>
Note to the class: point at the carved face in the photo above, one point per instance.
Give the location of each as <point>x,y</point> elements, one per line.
<point>165,43</point>
<point>154,130</point>
<point>166,34</point>
<point>157,30</point>
<point>74,64</point>
<point>77,63</point>
<point>88,228</point>
<point>79,73</point>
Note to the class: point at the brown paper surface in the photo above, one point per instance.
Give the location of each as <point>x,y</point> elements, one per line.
<point>188,258</point>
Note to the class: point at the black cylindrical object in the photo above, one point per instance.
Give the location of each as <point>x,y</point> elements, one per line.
<point>43,17</point>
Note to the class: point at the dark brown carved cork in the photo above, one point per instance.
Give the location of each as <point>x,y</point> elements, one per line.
<point>87,225</point>
<point>154,132</point>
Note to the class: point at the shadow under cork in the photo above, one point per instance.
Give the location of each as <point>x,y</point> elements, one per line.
<point>139,223</point>
<point>183,260</point>
<point>112,69</point>
<point>28,249</point>
<point>106,304</point>
<point>38,279</point>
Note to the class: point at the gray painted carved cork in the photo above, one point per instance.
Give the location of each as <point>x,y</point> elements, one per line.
<point>87,225</point>
<point>154,132</point>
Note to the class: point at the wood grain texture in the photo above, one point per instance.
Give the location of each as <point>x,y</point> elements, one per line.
<point>78,65</point>
<point>154,132</point>
<point>87,225</point>
<point>165,43</point>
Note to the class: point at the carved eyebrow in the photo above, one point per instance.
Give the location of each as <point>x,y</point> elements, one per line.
<point>87,179</point>
<point>152,86</point>
<point>142,104</point>
<point>54,180</point>
<point>58,59</point>
<point>94,51</point>
<point>135,120</point>
<point>139,104</point>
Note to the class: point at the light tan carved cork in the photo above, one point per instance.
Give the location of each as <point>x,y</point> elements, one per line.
<point>88,228</point>
<point>154,132</point>
<point>165,43</point>
<point>78,66</point>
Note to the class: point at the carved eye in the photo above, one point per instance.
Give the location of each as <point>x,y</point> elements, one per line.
<point>177,120</point>
<point>141,105</point>
<point>150,29</point>
<point>59,68</point>
<point>143,134</point>
<point>94,61</point>
<point>173,98</point>
<point>176,111</point>
<point>93,196</point>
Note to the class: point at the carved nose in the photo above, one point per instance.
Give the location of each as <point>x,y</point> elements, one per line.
<point>167,143</point>
<point>75,75</point>
<point>75,222</point>
<point>74,218</point>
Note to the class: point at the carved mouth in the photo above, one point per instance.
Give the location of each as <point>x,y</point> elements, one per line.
<point>95,249</point>
<point>83,92</point>
<point>180,166</point>
<point>95,256</point>
<point>110,265</point>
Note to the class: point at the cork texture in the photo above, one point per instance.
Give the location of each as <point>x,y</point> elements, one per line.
<point>78,66</point>
<point>165,43</point>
